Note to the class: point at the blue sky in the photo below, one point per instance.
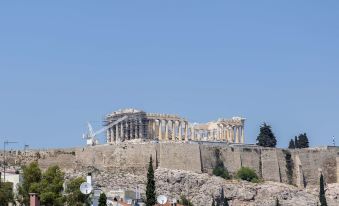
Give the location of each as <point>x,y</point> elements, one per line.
<point>68,62</point>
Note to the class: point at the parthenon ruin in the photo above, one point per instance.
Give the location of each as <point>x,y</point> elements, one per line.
<point>166,127</point>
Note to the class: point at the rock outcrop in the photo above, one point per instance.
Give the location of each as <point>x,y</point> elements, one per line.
<point>200,188</point>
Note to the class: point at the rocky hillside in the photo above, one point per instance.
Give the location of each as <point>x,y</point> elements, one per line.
<point>200,188</point>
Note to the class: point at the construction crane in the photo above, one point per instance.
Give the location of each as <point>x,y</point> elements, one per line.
<point>91,138</point>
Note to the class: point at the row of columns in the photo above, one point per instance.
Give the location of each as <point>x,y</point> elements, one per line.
<point>126,130</point>
<point>232,134</point>
<point>164,129</point>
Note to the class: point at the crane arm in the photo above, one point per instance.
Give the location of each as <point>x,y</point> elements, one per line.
<point>110,125</point>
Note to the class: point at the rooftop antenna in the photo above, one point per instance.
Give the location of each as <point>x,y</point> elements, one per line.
<point>162,199</point>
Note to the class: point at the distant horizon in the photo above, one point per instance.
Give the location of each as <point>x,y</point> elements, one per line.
<point>64,63</point>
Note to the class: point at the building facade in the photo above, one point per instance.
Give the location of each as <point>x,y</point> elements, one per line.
<point>166,127</point>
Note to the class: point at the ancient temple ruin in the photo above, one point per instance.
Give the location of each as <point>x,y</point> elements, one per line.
<point>166,127</point>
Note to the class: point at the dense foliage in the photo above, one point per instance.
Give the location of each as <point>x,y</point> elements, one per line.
<point>6,193</point>
<point>248,174</point>
<point>291,144</point>
<point>102,199</point>
<point>73,195</point>
<point>150,187</point>
<point>48,185</point>
<point>31,175</point>
<point>322,197</point>
<point>266,137</point>
<point>300,141</point>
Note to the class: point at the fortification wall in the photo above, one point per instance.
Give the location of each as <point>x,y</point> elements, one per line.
<point>180,156</point>
<point>299,167</point>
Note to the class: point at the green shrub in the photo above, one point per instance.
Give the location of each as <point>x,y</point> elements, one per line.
<point>220,169</point>
<point>248,174</point>
<point>221,172</point>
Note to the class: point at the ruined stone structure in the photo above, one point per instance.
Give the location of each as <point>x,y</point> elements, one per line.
<point>300,167</point>
<point>165,127</point>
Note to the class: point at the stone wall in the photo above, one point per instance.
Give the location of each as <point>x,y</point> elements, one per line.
<point>299,167</point>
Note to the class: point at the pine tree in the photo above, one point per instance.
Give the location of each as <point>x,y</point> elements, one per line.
<point>102,199</point>
<point>296,142</point>
<point>291,145</point>
<point>266,137</point>
<point>303,141</point>
<point>322,197</point>
<point>150,188</point>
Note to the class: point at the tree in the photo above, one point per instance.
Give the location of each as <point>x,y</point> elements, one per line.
<point>31,176</point>
<point>150,187</point>
<point>248,174</point>
<point>102,199</point>
<point>51,186</point>
<point>322,197</point>
<point>266,137</point>
<point>6,193</point>
<point>222,200</point>
<point>277,202</point>
<point>73,195</point>
<point>303,141</point>
<point>291,145</point>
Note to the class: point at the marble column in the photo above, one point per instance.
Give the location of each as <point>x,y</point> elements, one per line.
<point>186,131</point>
<point>243,134</point>
<point>173,130</point>
<point>237,134</point>
<point>141,129</point>
<point>232,134</point>
<point>192,134</point>
<point>116,132</point>
<point>136,129</point>
<point>160,129</point>
<point>166,130</point>
<point>153,129</point>
<point>227,134</point>
<point>180,130</point>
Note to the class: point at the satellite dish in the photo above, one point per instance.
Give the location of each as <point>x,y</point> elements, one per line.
<point>161,199</point>
<point>86,188</point>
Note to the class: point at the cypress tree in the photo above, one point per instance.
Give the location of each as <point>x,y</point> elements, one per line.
<point>322,197</point>
<point>277,202</point>
<point>150,188</point>
<point>291,145</point>
<point>102,199</point>
<point>303,141</point>
<point>266,137</point>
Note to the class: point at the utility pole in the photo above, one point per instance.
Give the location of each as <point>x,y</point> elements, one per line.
<point>6,142</point>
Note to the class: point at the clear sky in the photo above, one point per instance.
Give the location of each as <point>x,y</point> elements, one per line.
<point>63,63</point>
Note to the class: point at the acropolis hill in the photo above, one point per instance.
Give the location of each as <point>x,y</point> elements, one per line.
<point>182,169</point>
<point>186,150</point>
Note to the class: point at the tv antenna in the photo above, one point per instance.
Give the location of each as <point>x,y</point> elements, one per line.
<point>161,199</point>
<point>86,188</point>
